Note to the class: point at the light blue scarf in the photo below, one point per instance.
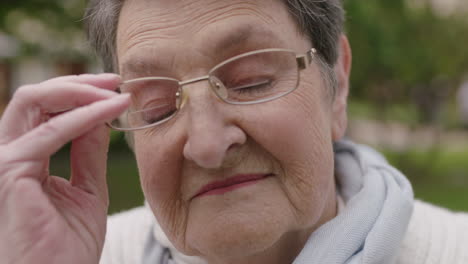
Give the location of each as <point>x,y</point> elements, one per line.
<point>368,230</point>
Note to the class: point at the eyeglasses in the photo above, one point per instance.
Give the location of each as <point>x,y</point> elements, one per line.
<point>250,78</point>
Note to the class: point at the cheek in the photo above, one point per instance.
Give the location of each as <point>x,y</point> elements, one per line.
<point>159,168</point>
<point>154,164</point>
<point>295,128</point>
<point>296,131</point>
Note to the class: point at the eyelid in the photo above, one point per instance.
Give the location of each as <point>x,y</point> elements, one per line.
<point>251,84</point>
<point>155,104</point>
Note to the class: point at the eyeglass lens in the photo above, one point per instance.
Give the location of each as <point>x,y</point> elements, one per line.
<point>253,78</point>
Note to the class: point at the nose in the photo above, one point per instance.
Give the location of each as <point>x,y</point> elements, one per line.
<point>212,130</point>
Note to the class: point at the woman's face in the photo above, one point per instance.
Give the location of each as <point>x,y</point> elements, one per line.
<point>230,180</point>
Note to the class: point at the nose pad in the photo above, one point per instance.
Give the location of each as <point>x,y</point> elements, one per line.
<point>181,99</point>
<point>219,88</point>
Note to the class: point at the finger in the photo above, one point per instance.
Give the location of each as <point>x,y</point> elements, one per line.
<point>89,162</point>
<point>47,138</point>
<point>107,81</point>
<point>31,104</point>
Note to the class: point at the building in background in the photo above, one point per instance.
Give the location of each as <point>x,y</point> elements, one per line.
<point>448,7</point>
<point>49,59</point>
<point>443,7</point>
<point>44,40</point>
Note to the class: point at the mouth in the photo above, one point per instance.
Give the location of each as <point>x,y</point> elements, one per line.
<point>230,184</point>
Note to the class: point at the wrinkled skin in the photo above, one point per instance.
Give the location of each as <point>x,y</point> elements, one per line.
<point>290,138</point>
<point>46,219</point>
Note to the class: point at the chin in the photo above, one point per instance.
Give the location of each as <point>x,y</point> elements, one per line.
<point>237,234</point>
<point>232,243</point>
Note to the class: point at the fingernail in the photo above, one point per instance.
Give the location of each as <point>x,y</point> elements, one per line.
<point>107,93</point>
<point>106,76</point>
<point>122,97</point>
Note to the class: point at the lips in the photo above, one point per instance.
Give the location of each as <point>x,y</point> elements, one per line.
<point>223,186</point>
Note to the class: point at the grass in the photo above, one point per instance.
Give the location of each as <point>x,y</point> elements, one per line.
<point>403,113</point>
<point>123,181</point>
<point>122,176</point>
<point>449,196</point>
<point>439,176</point>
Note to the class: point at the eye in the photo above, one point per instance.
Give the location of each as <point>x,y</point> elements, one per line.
<point>152,115</point>
<point>147,93</point>
<point>253,86</point>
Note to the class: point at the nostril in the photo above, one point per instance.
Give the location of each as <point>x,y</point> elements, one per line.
<point>210,136</point>
<point>233,146</point>
<point>205,154</point>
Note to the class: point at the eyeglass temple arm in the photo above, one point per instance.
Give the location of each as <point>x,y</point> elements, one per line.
<point>304,60</point>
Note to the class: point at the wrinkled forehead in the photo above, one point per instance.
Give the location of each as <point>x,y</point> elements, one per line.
<point>202,26</point>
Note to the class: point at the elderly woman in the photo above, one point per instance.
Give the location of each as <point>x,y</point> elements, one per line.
<point>236,112</point>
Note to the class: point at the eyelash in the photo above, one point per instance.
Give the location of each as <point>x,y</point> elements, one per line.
<point>254,87</point>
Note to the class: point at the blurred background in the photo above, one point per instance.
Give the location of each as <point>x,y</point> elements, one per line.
<point>409,86</point>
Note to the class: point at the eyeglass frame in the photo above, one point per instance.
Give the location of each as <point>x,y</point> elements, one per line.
<point>303,61</point>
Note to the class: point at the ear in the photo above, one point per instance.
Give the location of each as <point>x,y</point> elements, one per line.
<point>342,71</point>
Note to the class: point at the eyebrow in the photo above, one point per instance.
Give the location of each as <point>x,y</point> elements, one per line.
<point>142,66</point>
<point>244,36</point>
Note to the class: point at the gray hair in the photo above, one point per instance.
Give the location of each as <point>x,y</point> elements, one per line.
<point>320,20</point>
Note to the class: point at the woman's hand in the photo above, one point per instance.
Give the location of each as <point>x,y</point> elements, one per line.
<point>46,219</point>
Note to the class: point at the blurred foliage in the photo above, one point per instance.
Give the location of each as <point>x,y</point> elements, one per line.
<point>439,175</point>
<point>405,113</point>
<point>56,14</point>
<point>44,27</point>
<point>398,112</point>
<point>406,54</point>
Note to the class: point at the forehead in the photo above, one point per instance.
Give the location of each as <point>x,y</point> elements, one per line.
<point>169,29</point>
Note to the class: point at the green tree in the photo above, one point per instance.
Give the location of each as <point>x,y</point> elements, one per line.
<point>62,20</point>
<point>406,54</point>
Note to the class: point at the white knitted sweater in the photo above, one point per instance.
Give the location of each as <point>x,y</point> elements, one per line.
<point>435,235</point>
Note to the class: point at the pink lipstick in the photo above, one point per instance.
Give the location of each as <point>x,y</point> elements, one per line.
<point>230,184</point>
